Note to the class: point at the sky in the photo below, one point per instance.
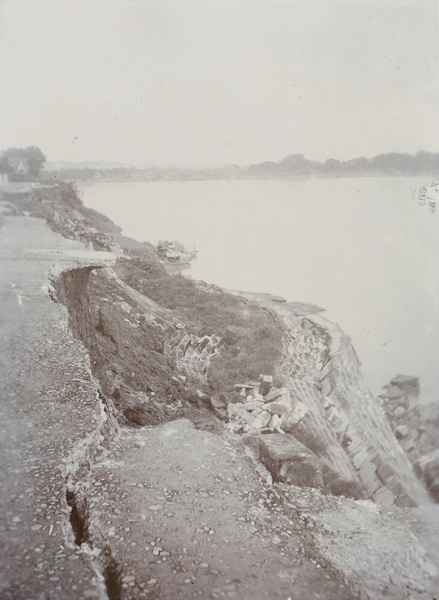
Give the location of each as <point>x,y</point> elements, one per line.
<point>206,82</point>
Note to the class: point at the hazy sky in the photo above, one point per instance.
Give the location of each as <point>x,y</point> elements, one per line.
<point>218,81</point>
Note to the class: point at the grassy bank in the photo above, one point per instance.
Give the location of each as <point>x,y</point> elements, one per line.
<point>251,336</point>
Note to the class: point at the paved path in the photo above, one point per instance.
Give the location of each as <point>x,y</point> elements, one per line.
<point>43,415</point>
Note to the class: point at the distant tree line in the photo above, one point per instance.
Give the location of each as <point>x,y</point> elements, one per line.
<point>88,174</point>
<point>392,163</point>
<point>294,165</point>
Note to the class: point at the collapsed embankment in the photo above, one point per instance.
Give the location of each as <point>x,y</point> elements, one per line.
<point>156,508</point>
<point>331,413</point>
<point>154,343</point>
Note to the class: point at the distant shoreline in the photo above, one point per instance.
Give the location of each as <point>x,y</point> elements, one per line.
<point>109,178</point>
<point>294,167</point>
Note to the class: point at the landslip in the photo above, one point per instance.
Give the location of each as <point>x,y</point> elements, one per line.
<point>144,457</point>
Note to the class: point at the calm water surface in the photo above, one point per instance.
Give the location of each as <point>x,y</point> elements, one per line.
<point>361,248</point>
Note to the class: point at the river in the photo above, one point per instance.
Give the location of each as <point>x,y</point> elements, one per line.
<point>361,248</point>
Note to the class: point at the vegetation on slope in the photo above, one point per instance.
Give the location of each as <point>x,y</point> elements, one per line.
<point>251,336</point>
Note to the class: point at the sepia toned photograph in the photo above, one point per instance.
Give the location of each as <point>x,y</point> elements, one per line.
<point>219,300</point>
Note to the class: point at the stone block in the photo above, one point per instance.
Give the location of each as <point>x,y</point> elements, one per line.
<point>401,432</point>
<point>219,400</point>
<point>266,384</point>
<point>274,394</point>
<point>259,421</point>
<point>386,473</point>
<point>383,496</point>
<point>346,486</point>
<point>280,406</point>
<point>291,418</point>
<point>289,461</point>
<point>396,488</point>
<point>275,421</point>
<point>233,411</point>
<point>326,386</point>
<point>368,475</point>
<point>405,501</point>
<point>252,441</point>
<point>400,411</point>
<point>246,389</point>
<point>252,405</point>
<point>360,455</point>
<point>377,460</point>
<point>327,402</point>
<point>333,416</point>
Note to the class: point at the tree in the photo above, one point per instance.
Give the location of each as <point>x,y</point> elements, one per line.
<point>32,154</point>
<point>36,160</point>
<point>334,166</point>
<point>293,161</point>
<point>358,165</point>
<point>4,165</point>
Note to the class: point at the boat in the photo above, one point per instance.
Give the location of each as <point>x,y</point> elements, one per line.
<point>174,253</point>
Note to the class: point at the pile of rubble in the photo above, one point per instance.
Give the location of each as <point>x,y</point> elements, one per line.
<point>264,409</point>
<point>416,426</point>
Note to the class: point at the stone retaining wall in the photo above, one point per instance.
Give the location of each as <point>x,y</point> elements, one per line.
<point>322,370</point>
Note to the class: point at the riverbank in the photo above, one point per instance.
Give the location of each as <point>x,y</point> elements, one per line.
<point>362,249</point>
<point>122,483</point>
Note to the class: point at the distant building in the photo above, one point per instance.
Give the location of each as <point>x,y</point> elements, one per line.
<point>19,166</point>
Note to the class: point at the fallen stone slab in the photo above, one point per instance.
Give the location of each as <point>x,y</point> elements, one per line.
<point>289,461</point>
<point>276,394</point>
<point>280,406</point>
